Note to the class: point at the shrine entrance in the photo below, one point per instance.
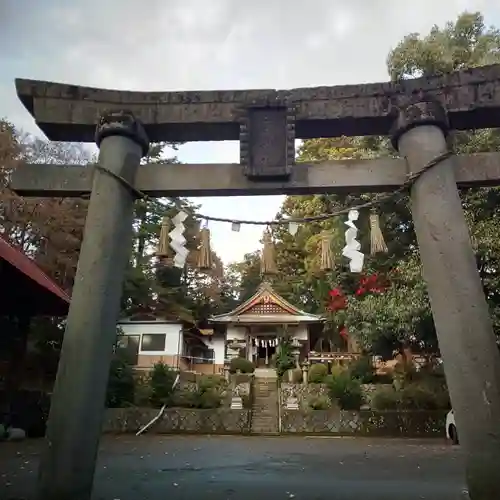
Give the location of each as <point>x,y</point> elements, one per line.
<point>418,115</point>
<point>265,353</point>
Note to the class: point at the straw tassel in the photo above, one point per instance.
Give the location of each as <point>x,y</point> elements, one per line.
<point>205,253</point>
<point>326,251</point>
<point>163,243</point>
<point>377,238</point>
<point>267,262</point>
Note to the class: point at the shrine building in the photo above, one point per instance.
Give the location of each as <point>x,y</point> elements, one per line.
<point>252,330</point>
<point>255,327</point>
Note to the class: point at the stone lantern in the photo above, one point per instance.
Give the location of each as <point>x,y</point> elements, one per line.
<point>305,371</point>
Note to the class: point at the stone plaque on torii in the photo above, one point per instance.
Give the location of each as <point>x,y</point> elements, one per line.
<point>417,114</point>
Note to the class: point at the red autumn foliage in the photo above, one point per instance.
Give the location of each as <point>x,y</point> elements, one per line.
<point>367,284</point>
<point>344,333</point>
<point>372,283</point>
<point>337,300</point>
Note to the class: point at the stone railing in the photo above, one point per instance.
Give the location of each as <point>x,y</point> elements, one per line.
<point>178,420</point>
<point>365,422</point>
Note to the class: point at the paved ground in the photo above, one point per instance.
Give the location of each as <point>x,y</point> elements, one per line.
<point>241,468</point>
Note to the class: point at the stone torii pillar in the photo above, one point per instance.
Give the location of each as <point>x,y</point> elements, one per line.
<point>461,316</point>
<point>75,420</point>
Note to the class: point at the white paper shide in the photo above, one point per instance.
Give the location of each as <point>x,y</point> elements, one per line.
<point>352,245</point>
<point>293,227</point>
<point>177,240</point>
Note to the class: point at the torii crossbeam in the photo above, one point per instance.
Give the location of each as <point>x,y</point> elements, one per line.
<point>417,114</point>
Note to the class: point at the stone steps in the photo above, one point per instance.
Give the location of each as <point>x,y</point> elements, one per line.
<point>265,406</point>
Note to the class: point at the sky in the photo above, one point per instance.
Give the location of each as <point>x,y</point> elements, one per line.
<point>161,45</point>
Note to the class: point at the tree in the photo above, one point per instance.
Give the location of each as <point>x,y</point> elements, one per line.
<point>397,318</point>
<point>389,320</point>
<point>246,275</point>
<point>47,229</point>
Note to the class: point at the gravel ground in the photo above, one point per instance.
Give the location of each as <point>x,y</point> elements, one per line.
<point>228,467</point>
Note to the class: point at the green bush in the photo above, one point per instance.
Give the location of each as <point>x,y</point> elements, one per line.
<point>346,390</point>
<point>207,394</point>
<point>384,378</point>
<point>320,403</point>
<point>284,359</point>
<point>297,376</point>
<point>203,399</point>
<point>208,399</point>
<point>317,373</point>
<point>443,399</point>
<point>411,397</point>
<point>206,382</point>
<point>385,398</point>
<point>184,399</point>
<point>121,384</point>
<point>241,364</point>
<point>363,370</point>
<point>161,382</point>
<point>418,397</point>
<point>142,390</point>
<point>337,370</point>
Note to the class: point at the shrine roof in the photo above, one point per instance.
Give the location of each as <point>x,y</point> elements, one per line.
<point>266,306</point>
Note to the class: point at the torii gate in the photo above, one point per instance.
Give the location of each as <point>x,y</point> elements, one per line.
<point>416,113</point>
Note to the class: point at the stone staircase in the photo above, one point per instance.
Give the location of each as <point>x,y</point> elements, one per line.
<point>265,403</point>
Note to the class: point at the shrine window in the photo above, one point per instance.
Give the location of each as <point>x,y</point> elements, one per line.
<point>202,356</point>
<point>153,342</point>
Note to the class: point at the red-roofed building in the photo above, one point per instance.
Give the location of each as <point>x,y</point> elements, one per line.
<point>25,289</point>
<point>25,292</point>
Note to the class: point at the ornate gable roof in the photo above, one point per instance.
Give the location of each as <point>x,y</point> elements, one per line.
<point>265,306</point>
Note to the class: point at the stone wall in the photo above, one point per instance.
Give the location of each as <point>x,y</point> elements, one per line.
<point>177,420</point>
<point>303,393</point>
<point>365,422</point>
<point>226,421</point>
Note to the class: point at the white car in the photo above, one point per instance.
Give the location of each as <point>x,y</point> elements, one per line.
<point>451,428</point>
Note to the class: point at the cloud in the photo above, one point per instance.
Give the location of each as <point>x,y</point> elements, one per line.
<point>216,44</point>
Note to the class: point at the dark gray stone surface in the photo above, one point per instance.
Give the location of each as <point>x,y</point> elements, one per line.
<point>217,468</point>
<point>178,420</point>
<point>459,308</point>
<point>70,112</point>
<point>337,176</point>
<point>79,393</point>
<point>305,421</point>
<point>365,422</point>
